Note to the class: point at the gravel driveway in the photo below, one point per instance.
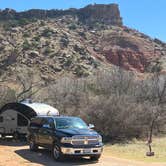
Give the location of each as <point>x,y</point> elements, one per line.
<point>18,154</point>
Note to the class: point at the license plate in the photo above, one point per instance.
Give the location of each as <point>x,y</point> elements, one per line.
<point>87,150</point>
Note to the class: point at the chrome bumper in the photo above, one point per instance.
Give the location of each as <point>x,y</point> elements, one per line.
<point>81,151</point>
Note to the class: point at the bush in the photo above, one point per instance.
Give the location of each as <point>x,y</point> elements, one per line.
<point>82,34</point>
<point>26,35</point>
<point>64,41</point>
<point>80,71</point>
<point>15,23</point>
<point>47,33</point>
<point>26,45</point>
<point>120,105</point>
<point>47,50</point>
<point>72,26</point>
<point>37,38</point>
<point>7,95</point>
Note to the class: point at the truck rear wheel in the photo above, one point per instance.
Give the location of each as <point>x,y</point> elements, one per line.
<point>56,153</point>
<point>32,145</point>
<point>95,158</point>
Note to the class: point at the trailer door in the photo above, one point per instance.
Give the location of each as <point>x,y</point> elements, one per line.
<point>22,123</point>
<point>2,129</point>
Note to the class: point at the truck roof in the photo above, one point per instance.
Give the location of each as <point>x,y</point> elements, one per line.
<point>60,116</point>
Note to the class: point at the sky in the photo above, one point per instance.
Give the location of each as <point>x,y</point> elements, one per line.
<point>147,16</point>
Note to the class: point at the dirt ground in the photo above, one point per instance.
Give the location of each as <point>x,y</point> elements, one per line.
<point>18,154</point>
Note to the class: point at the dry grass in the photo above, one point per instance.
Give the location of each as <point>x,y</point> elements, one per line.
<point>136,150</point>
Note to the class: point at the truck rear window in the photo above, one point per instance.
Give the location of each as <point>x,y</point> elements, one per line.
<point>37,122</point>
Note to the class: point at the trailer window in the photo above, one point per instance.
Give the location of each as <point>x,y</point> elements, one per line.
<point>21,121</point>
<point>1,119</point>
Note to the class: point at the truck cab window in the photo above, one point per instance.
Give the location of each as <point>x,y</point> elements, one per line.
<point>48,122</point>
<point>51,123</point>
<point>1,119</point>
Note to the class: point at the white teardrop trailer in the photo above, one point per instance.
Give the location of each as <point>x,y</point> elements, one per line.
<point>15,117</point>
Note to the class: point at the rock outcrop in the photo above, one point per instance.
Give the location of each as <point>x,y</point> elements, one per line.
<point>108,14</point>
<point>132,50</point>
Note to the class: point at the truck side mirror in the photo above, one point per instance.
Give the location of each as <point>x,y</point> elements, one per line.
<point>46,126</point>
<point>91,126</point>
<point>34,128</point>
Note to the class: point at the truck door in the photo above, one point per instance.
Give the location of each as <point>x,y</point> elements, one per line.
<point>35,126</point>
<point>46,132</point>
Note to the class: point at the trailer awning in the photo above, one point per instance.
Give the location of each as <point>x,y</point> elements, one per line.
<point>23,109</point>
<point>30,110</point>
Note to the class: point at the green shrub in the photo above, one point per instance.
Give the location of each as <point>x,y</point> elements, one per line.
<point>156,68</point>
<point>82,34</point>
<point>68,62</point>
<point>80,72</point>
<point>35,44</point>
<point>42,23</point>
<point>15,23</point>
<point>64,41</point>
<point>47,33</point>
<point>47,50</point>
<point>26,45</point>
<point>26,34</point>
<point>72,26</point>
<point>36,38</point>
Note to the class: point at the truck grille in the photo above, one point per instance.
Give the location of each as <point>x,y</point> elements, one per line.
<point>85,140</point>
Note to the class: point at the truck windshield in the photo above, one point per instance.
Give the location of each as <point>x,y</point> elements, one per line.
<point>65,123</point>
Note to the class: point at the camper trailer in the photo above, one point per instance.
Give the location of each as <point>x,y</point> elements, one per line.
<point>15,117</point>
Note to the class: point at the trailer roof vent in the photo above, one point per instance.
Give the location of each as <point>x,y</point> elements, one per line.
<point>27,101</point>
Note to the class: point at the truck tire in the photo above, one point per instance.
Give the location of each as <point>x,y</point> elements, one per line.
<point>32,145</point>
<point>56,153</point>
<point>95,158</point>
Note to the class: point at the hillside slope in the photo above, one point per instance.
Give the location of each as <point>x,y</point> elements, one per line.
<point>75,42</point>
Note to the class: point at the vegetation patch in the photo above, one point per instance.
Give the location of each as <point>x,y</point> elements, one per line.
<point>136,150</point>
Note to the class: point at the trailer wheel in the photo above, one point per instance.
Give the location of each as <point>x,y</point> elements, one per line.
<point>16,135</point>
<point>2,136</point>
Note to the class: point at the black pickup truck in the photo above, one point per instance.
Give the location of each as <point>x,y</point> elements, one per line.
<point>65,136</point>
